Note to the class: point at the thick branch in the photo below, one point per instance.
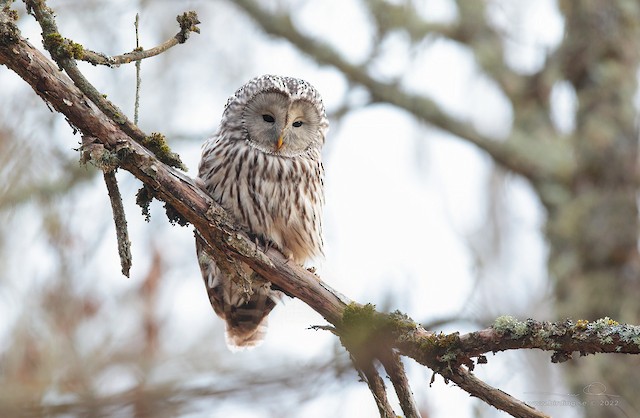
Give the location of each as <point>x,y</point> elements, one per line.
<point>601,336</point>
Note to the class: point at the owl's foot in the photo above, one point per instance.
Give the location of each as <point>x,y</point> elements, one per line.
<point>288,255</point>
<point>265,244</point>
<point>313,270</point>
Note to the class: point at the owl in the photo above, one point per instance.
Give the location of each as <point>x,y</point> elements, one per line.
<point>263,166</point>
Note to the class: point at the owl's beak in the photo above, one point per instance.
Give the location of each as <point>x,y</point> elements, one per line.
<point>279,143</point>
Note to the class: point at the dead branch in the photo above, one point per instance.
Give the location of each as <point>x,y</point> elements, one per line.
<point>120,220</point>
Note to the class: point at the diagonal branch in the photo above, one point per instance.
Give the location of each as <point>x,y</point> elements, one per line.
<point>64,51</point>
<point>371,377</point>
<point>499,399</point>
<point>395,369</point>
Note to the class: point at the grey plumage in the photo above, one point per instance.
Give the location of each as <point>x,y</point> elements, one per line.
<point>264,167</point>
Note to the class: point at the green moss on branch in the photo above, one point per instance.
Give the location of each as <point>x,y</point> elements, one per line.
<point>365,331</point>
<point>157,143</point>
<point>62,47</point>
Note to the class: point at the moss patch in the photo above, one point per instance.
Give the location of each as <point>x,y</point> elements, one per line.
<point>364,329</point>
<point>62,47</point>
<point>145,196</point>
<point>157,144</point>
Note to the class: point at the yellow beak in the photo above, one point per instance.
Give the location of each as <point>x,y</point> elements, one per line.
<point>279,143</point>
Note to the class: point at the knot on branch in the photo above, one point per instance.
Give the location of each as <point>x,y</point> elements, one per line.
<point>95,153</point>
<point>188,22</point>
<point>445,353</point>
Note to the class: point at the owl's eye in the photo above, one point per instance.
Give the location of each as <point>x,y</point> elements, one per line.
<point>297,124</point>
<point>268,118</point>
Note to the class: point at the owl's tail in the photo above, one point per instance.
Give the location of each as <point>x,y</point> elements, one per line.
<point>245,312</point>
<point>247,322</point>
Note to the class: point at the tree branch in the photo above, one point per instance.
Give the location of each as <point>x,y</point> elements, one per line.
<point>395,369</point>
<point>120,220</point>
<point>63,51</point>
<point>499,399</point>
<point>188,23</point>
<point>370,376</point>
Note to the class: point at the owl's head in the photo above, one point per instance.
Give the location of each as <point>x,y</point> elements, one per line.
<point>279,115</point>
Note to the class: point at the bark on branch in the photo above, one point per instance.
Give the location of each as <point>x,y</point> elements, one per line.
<point>359,327</point>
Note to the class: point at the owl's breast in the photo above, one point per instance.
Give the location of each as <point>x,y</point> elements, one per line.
<point>277,198</point>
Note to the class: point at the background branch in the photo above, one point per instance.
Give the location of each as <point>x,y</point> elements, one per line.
<point>530,158</point>
<point>188,23</point>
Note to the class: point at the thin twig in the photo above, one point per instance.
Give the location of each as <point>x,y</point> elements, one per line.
<point>188,23</point>
<point>395,369</point>
<point>122,234</point>
<point>372,378</point>
<point>136,105</point>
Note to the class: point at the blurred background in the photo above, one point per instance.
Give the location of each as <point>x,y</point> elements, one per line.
<point>481,161</point>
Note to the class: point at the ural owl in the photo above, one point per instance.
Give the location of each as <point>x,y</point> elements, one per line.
<point>263,166</point>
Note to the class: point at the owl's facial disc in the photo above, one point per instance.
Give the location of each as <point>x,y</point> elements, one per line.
<point>276,125</point>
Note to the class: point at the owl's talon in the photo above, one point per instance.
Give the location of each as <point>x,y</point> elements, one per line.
<point>288,255</point>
